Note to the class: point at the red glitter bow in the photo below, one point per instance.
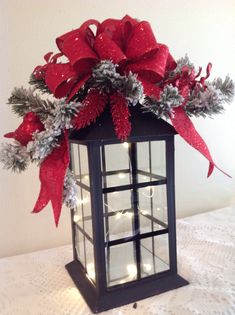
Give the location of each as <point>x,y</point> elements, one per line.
<point>131,45</point>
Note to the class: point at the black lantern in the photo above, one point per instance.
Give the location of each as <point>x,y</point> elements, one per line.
<point>124,235</point>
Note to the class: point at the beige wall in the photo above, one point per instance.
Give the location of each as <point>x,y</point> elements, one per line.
<point>203,29</point>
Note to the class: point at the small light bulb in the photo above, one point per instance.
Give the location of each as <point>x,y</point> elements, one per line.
<point>147,267</point>
<point>144,212</point>
<point>82,201</point>
<point>86,177</point>
<point>118,215</point>
<point>122,281</point>
<point>121,175</point>
<point>76,218</point>
<point>91,270</point>
<point>158,209</point>
<point>132,270</point>
<point>126,145</point>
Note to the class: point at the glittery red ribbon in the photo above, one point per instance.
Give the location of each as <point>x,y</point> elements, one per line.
<point>126,42</point>
<point>131,45</point>
<point>185,128</point>
<point>24,133</point>
<point>52,174</point>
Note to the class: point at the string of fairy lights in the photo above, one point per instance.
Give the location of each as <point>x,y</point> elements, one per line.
<point>148,192</point>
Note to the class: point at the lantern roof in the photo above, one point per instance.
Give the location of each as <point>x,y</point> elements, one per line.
<point>144,125</point>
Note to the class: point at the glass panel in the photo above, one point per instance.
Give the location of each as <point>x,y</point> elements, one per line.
<point>115,165</point>
<point>120,263</point>
<point>158,157</point>
<point>86,204</point>
<point>90,265</point>
<point>118,214</point>
<point>151,161</point>
<point>75,158</point>
<point>84,165</point>
<point>154,255</point>
<point>152,208</point>
<point>77,214</point>
<point>160,203</point>
<point>80,245</point>
<point>143,156</point>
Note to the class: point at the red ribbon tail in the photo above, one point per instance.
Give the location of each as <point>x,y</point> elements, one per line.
<point>185,128</point>
<point>52,173</point>
<point>42,201</point>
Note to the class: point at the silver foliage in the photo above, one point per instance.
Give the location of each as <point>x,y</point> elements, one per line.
<point>59,119</point>
<point>24,100</point>
<point>61,115</point>
<point>43,143</point>
<point>106,78</point>
<point>211,101</point>
<point>132,89</point>
<point>183,61</point>
<point>226,87</point>
<point>14,156</point>
<point>169,98</point>
<point>70,190</point>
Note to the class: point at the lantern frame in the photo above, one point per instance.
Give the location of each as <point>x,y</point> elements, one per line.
<point>99,296</point>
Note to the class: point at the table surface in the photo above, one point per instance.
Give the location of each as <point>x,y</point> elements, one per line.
<point>38,284</point>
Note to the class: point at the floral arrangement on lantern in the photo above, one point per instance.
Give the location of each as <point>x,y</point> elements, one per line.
<point>120,66</point>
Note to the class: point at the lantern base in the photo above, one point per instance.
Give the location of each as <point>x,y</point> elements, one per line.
<point>122,294</point>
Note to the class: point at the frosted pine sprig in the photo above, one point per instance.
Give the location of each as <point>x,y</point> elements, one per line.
<point>70,190</point>
<point>14,157</point>
<point>169,98</point>
<point>24,100</point>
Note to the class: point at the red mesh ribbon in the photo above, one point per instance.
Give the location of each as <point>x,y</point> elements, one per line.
<point>52,173</point>
<point>184,126</point>
<point>24,133</point>
<point>131,45</point>
<point>126,42</point>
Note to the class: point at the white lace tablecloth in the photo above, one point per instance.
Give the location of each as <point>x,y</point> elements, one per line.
<point>38,284</point>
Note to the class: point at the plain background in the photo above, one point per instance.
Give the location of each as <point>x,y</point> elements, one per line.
<point>205,30</point>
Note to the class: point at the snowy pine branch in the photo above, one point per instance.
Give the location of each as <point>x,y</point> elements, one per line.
<point>61,115</point>
<point>169,98</point>
<point>211,101</point>
<point>39,84</point>
<point>14,157</point>
<point>182,62</point>
<point>59,119</point>
<point>70,190</point>
<point>24,100</point>
<point>106,78</point>
<point>226,87</point>
<point>43,143</point>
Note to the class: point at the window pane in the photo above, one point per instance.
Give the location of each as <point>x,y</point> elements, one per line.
<point>151,161</point>
<point>118,215</point>
<point>84,165</point>
<point>120,264</point>
<point>143,156</point>
<point>152,208</point>
<point>115,165</point>
<point>86,204</point>
<point>90,265</point>
<point>154,255</point>
<point>75,158</point>
<point>158,158</point>
<point>77,214</point>
<point>80,246</point>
